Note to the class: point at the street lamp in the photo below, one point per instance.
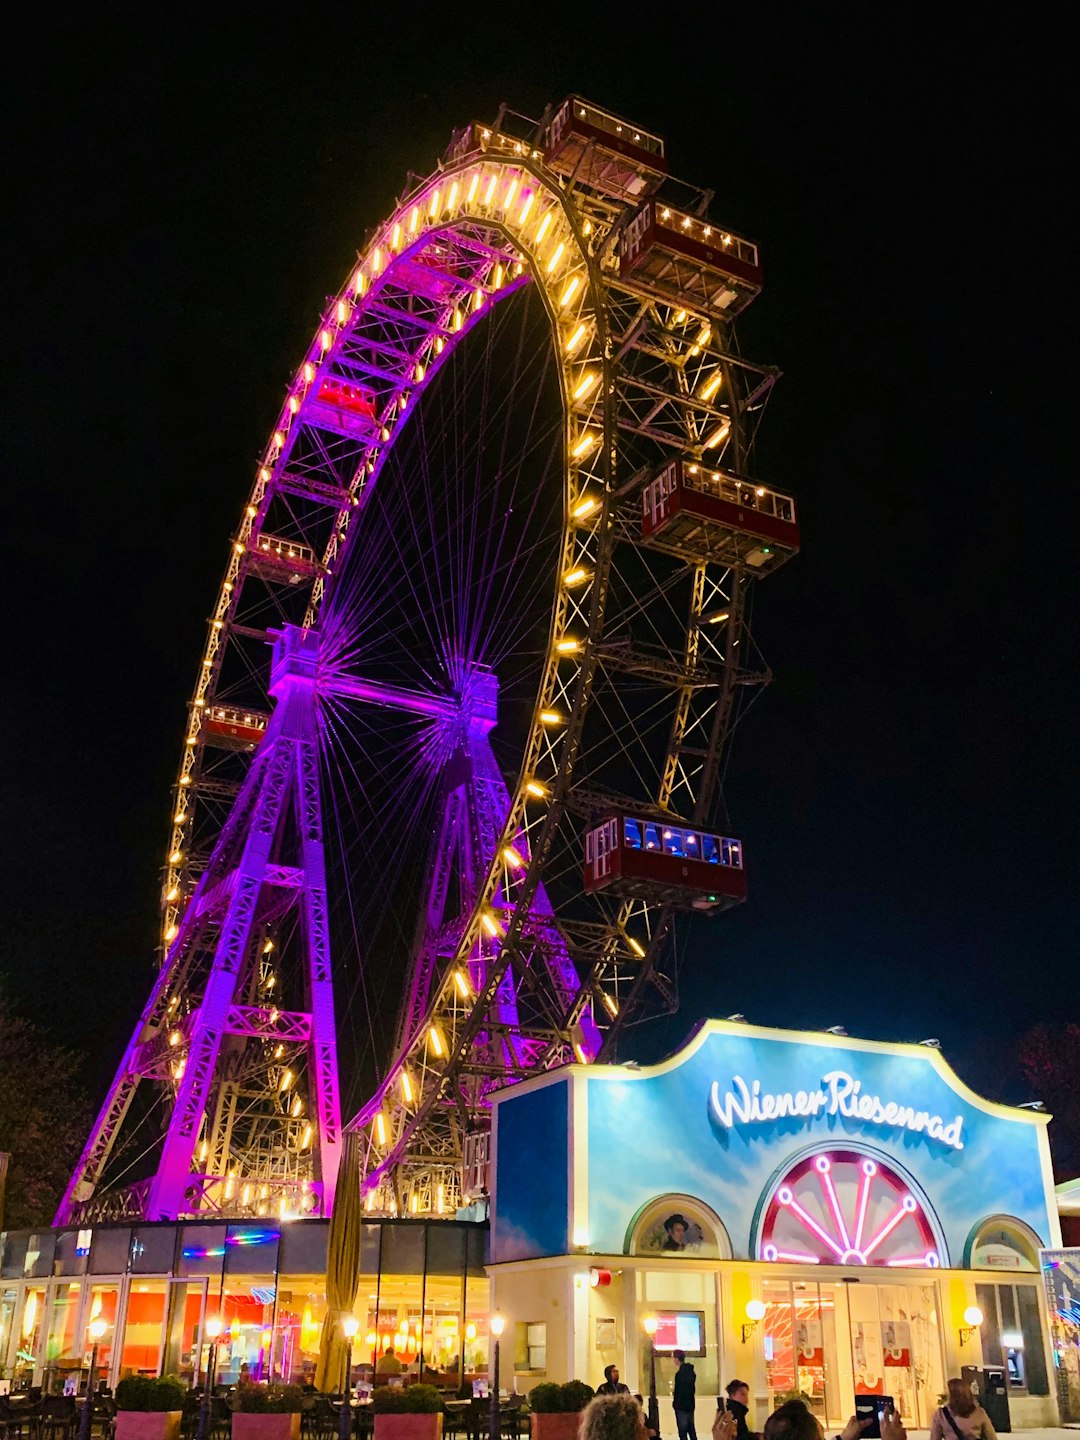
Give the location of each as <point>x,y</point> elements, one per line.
<point>653,1419</point>
<point>973,1318</point>
<point>96,1329</point>
<point>497,1325</point>
<point>349,1326</point>
<point>212,1329</point>
<point>755,1313</point>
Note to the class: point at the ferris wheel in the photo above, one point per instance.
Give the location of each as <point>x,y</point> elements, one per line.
<point>458,729</point>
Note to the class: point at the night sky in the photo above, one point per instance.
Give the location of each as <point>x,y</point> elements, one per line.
<point>184,199</point>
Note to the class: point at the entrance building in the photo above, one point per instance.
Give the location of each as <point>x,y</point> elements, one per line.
<point>813,1214</point>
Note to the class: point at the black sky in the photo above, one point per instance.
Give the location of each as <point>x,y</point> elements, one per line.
<point>183,197</point>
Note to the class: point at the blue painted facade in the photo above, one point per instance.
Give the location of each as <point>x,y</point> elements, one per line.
<point>725,1117</point>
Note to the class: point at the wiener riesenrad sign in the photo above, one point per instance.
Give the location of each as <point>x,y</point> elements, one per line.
<point>837,1093</point>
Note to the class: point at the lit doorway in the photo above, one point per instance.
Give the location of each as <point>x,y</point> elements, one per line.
<point>828,1342</point>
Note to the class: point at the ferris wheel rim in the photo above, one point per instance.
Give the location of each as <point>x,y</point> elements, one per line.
<point>274,458</point>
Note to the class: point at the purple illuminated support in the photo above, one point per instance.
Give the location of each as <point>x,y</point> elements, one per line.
<point>192,1020</point>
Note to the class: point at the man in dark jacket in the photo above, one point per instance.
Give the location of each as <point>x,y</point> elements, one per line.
<point>738,1403</point>
<point>682,1396</point>
<point>612,1384</point>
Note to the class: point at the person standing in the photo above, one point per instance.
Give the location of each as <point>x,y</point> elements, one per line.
<point>683,1396</point>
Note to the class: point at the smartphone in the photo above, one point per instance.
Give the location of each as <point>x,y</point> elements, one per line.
<point>721,1402</point>
<point>872,1407</point>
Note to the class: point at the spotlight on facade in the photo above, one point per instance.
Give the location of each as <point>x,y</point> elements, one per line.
<point>835,1030</point>
<point>932,1044</point>
<point>737,1019</point>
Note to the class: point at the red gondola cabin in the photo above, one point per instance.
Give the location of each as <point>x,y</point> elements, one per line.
<point>696,512</point>
<point>664,861</point>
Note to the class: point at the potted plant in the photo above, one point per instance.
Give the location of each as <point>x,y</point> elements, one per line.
<point>415,1413</point>
<point>555,1410</point>
<point>266,1412</point>
<point>149,1407</point>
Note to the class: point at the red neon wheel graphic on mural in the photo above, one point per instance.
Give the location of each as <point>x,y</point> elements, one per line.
<point>840,1207</point>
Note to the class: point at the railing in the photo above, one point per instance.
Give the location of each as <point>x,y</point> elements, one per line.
<point>604,120</point>
<point>740,492</point>
<point>279,549</point>
<point>706,233</point>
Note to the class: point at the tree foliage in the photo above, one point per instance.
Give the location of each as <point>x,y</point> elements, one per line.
<point>1050,1059</point>
<point>44,1118</point>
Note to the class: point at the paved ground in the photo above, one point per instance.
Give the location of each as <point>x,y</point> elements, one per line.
<point>1070,1432</point>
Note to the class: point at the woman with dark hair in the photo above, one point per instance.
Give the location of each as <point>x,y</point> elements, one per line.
<point>794,1421</point>
<point>963,1418</point>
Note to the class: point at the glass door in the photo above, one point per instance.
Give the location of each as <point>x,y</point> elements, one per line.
<point>896,1347</point>
<point>800,1345</point>
<point>183,1334</point>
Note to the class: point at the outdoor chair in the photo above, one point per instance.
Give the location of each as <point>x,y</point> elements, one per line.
<point>59,1418</point>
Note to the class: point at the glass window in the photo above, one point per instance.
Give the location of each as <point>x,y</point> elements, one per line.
<point>710,849</point>
<point>299,1316</point>
<point>476,1251</point>
<point>202,1250</point>
<point>247,1308</point>
<point>1012,1335</point>
<point>31,1327</point>
<point>8,1297</point>
<point>110,1251</point>
<point>186,1300</point>
<point>72,1252</point>
<point>13,1255</point>
<point>652,838</point>
<point>632,834</point>
<point>38,1260</point>
<point>103,1304</point>
<point>303,1247</point>
<point>153,1249</point>
<point>402,1249</point>
<point>251,1249</point>
<point>1031,1334</point>
<point>445,1250</point>
<point>63,1352</point>
<point>474,1347</point>
<point>144,1326</point>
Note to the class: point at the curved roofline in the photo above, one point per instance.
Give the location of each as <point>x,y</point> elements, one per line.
<point>706,1028</point>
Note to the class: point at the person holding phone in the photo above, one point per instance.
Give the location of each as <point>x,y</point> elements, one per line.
<point>738,1404</point>
<point>794,1421</point>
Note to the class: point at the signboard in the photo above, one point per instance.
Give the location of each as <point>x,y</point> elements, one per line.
<point>751,1142</point>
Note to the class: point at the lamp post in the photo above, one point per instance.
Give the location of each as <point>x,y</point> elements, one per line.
<point>212,1329</point>
<point>653,1417</point>
<point>349,1326</point>
<point>96,1329</point>
<point>496,1326</point>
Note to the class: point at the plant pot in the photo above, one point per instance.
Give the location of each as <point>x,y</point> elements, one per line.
<point>148,1424</point>
<point>408,1427</point>
<point>265,1427</point>
<point>555,1425</point>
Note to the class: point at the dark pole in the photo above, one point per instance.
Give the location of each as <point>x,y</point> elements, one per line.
<point>345,1416</point>
<point>86,1415</point>
<point>654,1408</point>
<point>203,1432</point>
<point>493,1425</point>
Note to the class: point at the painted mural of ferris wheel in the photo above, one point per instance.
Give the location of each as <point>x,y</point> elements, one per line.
<point>458,729</point>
